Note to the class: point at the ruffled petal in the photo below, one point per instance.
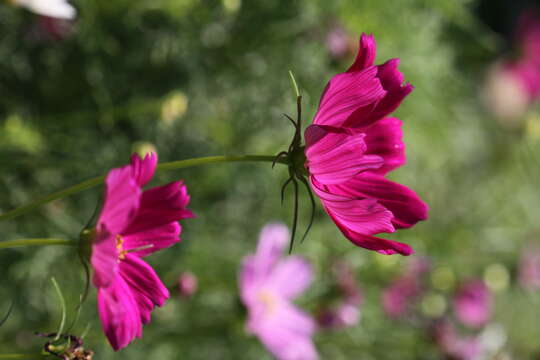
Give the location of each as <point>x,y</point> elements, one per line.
<point>119,314</point>
<point>143,169</point>
<point>367,50</point>
<point>382,246</point>
<point>143,280</point>
<point>144,243</point>
<point>404,204</point>
<point>160,206</point>
<point>355,214</point>
<point>359,218</point>
<point>384,139</point>
<point>392,82</point>
<point>122,196</point>
<point>347,92</point>
<point>290,277</point>
<point>334,155</point>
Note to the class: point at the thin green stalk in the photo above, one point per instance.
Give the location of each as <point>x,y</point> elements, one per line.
<point>161,167</point>
<point>34,242</point>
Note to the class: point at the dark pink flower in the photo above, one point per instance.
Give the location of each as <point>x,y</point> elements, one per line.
<point>526,69</point>
<point>133,224</point>
<point>352,145</point>
<point>472,304</point>
<point>267,286</point>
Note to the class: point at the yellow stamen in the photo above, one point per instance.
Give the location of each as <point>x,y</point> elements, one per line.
<point>120,247</point>
<point>268,299</point>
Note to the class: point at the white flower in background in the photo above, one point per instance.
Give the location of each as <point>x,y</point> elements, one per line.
<point>60,9</point>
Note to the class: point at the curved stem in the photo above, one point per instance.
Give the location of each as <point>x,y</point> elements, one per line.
<point>34,242</point>
<point>161,167</point>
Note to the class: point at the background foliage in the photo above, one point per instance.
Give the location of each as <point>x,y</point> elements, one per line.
<point>195,78</point>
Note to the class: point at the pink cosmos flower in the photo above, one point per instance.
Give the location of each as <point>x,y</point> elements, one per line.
<point>267,286</point>
<point>405,290</point>
<point>133,224</point>
<point>352,145</point>
<point>473,303</point>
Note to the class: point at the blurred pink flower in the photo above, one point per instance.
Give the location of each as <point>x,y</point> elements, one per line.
<point>472,304</point>
<point>187,284</point>
<point>405,290</point>
<point>527,68</point>
<point>456,347</point>
<point>347,312</point>
<point>337,42</point>
<point>512,85</point>
<point>133,224</point>
<point>399,296</point>
<point>352,145</point>
<point>267,286</point>
<point>529,270</point>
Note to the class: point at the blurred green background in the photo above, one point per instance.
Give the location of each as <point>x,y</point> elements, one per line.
<point>196,78</point>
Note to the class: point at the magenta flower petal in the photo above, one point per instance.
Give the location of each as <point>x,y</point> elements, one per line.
<point>365,93</point>
<point>132,225</point>
<point>119,314</point>
<point>367,50</point>
<point>143,169</point>
<point>146,242</point>
<point>380,245</point>
<point>347,92</point>
<point>122,196</point>
<point>104,258</point>
<point>160,206</point>
<point>391,80</point>
<point>143,279</point>
<point>384,139</point>
<point>335,155</point>
<point>406,207</point>
<point>356,214</point>
<point>120,205</point>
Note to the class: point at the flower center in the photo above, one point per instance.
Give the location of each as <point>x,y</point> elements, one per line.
<point>120,247</point>
<point>268,299</point>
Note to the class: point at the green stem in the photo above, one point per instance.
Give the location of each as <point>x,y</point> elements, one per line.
<point>34,242</point>
<point>161,167</point>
